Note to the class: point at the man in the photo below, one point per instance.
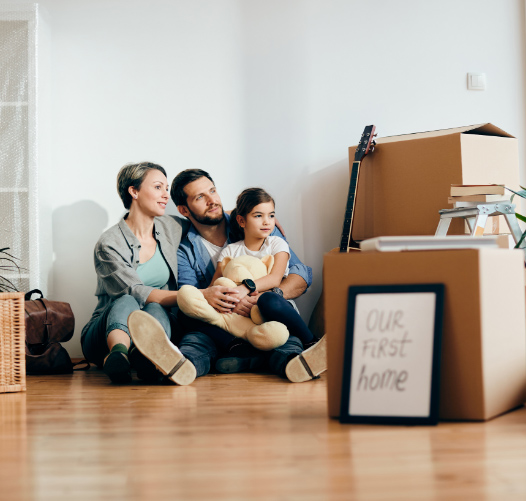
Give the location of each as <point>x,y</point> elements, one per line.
<point>196,197</point>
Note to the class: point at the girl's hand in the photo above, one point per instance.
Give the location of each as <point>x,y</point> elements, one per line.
<point>245,305</point>
<point>223,299</point>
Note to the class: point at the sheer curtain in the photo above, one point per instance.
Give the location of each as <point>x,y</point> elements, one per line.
<point>18,137</point>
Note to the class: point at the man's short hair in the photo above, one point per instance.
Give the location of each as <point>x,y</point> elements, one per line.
<point>133,175</point>
<point>181,180</point>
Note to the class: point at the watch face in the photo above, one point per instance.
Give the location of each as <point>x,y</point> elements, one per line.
<point>250,284</point>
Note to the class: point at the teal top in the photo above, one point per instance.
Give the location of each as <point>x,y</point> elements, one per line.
<point>155,271</point>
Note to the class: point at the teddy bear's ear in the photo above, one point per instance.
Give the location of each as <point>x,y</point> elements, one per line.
<point>268,261</point>
<point>223,263</point>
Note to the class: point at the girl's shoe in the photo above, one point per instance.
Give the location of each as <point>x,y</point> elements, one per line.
<point>309,364</point>
<point>150,339</point>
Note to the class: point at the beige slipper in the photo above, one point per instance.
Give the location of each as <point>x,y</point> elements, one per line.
<point>150,339</point>
<point>309,364</point>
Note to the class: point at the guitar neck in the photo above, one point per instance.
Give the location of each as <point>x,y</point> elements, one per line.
<point>346,240</point>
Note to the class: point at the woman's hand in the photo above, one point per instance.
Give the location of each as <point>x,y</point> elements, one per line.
<point>223,299</point>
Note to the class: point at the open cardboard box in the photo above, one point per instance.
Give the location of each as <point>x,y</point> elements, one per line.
<point>407,179</point>
<point>483,368</point>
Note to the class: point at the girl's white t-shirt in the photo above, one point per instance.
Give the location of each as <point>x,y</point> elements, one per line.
<point>271,246</point>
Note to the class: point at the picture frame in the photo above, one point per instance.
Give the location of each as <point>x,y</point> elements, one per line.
<point>391,371</point>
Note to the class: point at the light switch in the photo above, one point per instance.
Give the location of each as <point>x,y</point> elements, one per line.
<point>476,81</point>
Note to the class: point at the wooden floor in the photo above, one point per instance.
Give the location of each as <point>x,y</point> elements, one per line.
<point>241,437</point>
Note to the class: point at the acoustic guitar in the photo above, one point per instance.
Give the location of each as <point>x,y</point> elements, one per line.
<point>366,145</point>
<point>347,243</point>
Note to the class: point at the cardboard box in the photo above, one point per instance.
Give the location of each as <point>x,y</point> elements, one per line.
<point>483,369</point>
<point>407,179</point>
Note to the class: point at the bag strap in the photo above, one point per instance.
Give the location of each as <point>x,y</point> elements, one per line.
<point>82,362</point>
<point>28,295</point>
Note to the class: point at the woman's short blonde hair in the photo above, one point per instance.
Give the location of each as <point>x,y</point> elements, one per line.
<point>133,175</point>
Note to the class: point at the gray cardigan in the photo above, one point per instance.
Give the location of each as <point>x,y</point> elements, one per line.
<point>116,258</point>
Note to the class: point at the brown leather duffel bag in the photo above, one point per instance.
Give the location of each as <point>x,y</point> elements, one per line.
<point>48,323</point>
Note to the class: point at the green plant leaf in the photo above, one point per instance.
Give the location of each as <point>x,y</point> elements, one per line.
<point>520,217</point>
<point>6,285</point>
<point>8,264</point>
<point>520,240</point>
<point>521,193</point>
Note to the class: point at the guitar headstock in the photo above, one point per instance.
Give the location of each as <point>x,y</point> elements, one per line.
<point>367,143</point>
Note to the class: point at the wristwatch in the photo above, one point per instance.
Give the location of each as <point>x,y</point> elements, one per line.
<point>277,291</point>
<point>249,284</point>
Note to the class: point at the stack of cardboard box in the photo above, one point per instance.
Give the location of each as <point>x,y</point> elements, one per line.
<point>402,186</point>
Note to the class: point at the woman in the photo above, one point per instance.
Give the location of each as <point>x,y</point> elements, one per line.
<point>136,266</point>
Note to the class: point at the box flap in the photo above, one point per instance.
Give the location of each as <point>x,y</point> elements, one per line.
<point>486,129</point>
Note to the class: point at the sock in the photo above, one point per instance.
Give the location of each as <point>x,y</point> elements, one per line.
<point>120,348</point>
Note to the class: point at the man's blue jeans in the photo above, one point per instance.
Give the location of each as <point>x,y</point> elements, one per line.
<point>206,342</point>
<point>279,358</point>
<point>200,350</point>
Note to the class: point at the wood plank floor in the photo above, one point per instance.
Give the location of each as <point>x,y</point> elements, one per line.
<point>240,437</point>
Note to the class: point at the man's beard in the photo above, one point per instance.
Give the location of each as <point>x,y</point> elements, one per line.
<point>208,220</point>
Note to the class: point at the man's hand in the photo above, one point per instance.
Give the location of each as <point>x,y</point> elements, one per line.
<point>223,299</point>
<point>245,305</point>
<point>240,292</point>
<point>293,286</point>
<point>237,294</point>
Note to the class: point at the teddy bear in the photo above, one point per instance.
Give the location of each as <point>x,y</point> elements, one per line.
<point>260,334</point>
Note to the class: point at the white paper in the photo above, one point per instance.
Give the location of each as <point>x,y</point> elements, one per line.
<point>392,354</point>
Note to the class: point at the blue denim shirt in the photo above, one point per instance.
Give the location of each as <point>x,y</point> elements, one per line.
<point>195,266</point>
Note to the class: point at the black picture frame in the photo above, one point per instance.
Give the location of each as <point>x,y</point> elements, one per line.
<point>365,404</point>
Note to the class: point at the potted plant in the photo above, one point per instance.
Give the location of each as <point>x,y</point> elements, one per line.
<point>8,265</point>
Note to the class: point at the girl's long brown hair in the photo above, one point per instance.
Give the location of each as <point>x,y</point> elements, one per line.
<point>246,201</point>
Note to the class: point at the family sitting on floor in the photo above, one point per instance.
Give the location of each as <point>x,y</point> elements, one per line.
<point>142,261</point>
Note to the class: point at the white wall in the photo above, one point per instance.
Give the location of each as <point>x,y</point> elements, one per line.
<point>268,92</point>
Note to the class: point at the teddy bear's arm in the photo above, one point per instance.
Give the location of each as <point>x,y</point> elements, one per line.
<point>225,282</point>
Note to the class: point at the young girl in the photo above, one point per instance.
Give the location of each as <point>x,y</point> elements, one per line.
<point>252,221</point>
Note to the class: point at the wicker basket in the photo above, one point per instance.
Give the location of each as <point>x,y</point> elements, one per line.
<point>12,342</point>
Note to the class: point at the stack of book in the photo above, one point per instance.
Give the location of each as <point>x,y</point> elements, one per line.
<point>469,195</point>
